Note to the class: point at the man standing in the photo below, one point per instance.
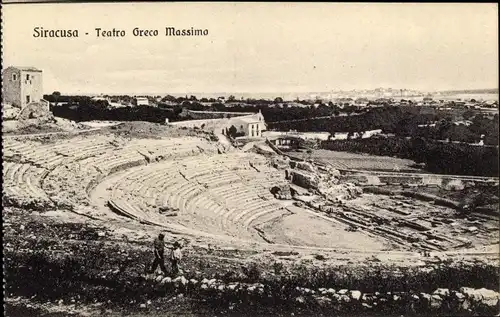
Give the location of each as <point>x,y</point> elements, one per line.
<point>159,248</point>
<point>176,257</point>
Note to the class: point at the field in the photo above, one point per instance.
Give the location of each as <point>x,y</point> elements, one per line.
<point>346,160</point>
<point>81,211</point>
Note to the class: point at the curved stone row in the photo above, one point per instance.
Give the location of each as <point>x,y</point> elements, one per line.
<point>21,186</point>
<point>218,190</point>
<point>41,175</point>
<point>464,300</point>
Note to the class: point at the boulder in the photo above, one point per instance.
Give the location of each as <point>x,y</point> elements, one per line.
<point>330,291</point>
<point>211,281</point>
<point>323,301</point>
<point>356,295</point>
<point>36,110</point>
<point>459,296</point>
<point>232,287</point>
<point>455,184</point>
<point>343,292</point>
<point>166,280</point>
<point>486,297</point>
<point>345,299</point>
<point>436,301</point>
<point>180,280</point>
<point>10,112</point>
<point>425,299</point>
<point>282,192</point>
<point>306,166</point>
<point>443,292</point>
<point>465,304</point>
<point>300,300</point>
<point>280,162</point>
<point>304,179</point>
<point>471,294</point>
<point>336,297</point>
<point>159,278</point>
<point>339,192</point>
<point>193,281</point>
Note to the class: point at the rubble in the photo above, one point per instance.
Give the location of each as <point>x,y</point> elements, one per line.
<point>280,162</point>
<point>304,179</point>
<point>282,192</point>
<point>337,193</point>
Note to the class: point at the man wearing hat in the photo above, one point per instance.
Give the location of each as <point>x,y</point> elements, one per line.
<point>159,248</point>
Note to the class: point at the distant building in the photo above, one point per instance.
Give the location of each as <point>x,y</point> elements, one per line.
<point>245,125</point>
<point>99,98</point>
<point>286,142</point>
<point>322,136</point>
<point>142,101</point>
<point>251,125</point>
<point>22,85</point>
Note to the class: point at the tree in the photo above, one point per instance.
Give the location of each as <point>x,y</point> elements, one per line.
<point>218,106</point>
<point>169,98</point>
<point>231,98</point>
<point>278,100</point>
<point>232,131</point>
<point>56,95</point>
<point>419,149</point>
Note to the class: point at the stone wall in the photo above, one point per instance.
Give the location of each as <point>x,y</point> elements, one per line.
<point>204,115</point>
<point>216,125</point>
<point>441,301</point>
<point>444,181</point>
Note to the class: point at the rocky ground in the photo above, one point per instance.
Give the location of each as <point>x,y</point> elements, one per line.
<point>61,263</point>
<point>79,267</point>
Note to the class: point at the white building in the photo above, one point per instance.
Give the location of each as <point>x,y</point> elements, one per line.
<point>251,125</point>
<point>142,101</point>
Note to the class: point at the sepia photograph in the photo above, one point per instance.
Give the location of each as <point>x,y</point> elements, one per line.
<point>250,159</point>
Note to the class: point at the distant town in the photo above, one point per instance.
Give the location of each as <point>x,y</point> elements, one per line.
<point>395,117</point>
<point>480,98</point>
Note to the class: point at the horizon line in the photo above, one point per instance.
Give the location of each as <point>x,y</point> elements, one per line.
<point>271,93</point>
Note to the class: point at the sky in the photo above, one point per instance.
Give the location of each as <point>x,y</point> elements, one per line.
<point>257,47</point>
